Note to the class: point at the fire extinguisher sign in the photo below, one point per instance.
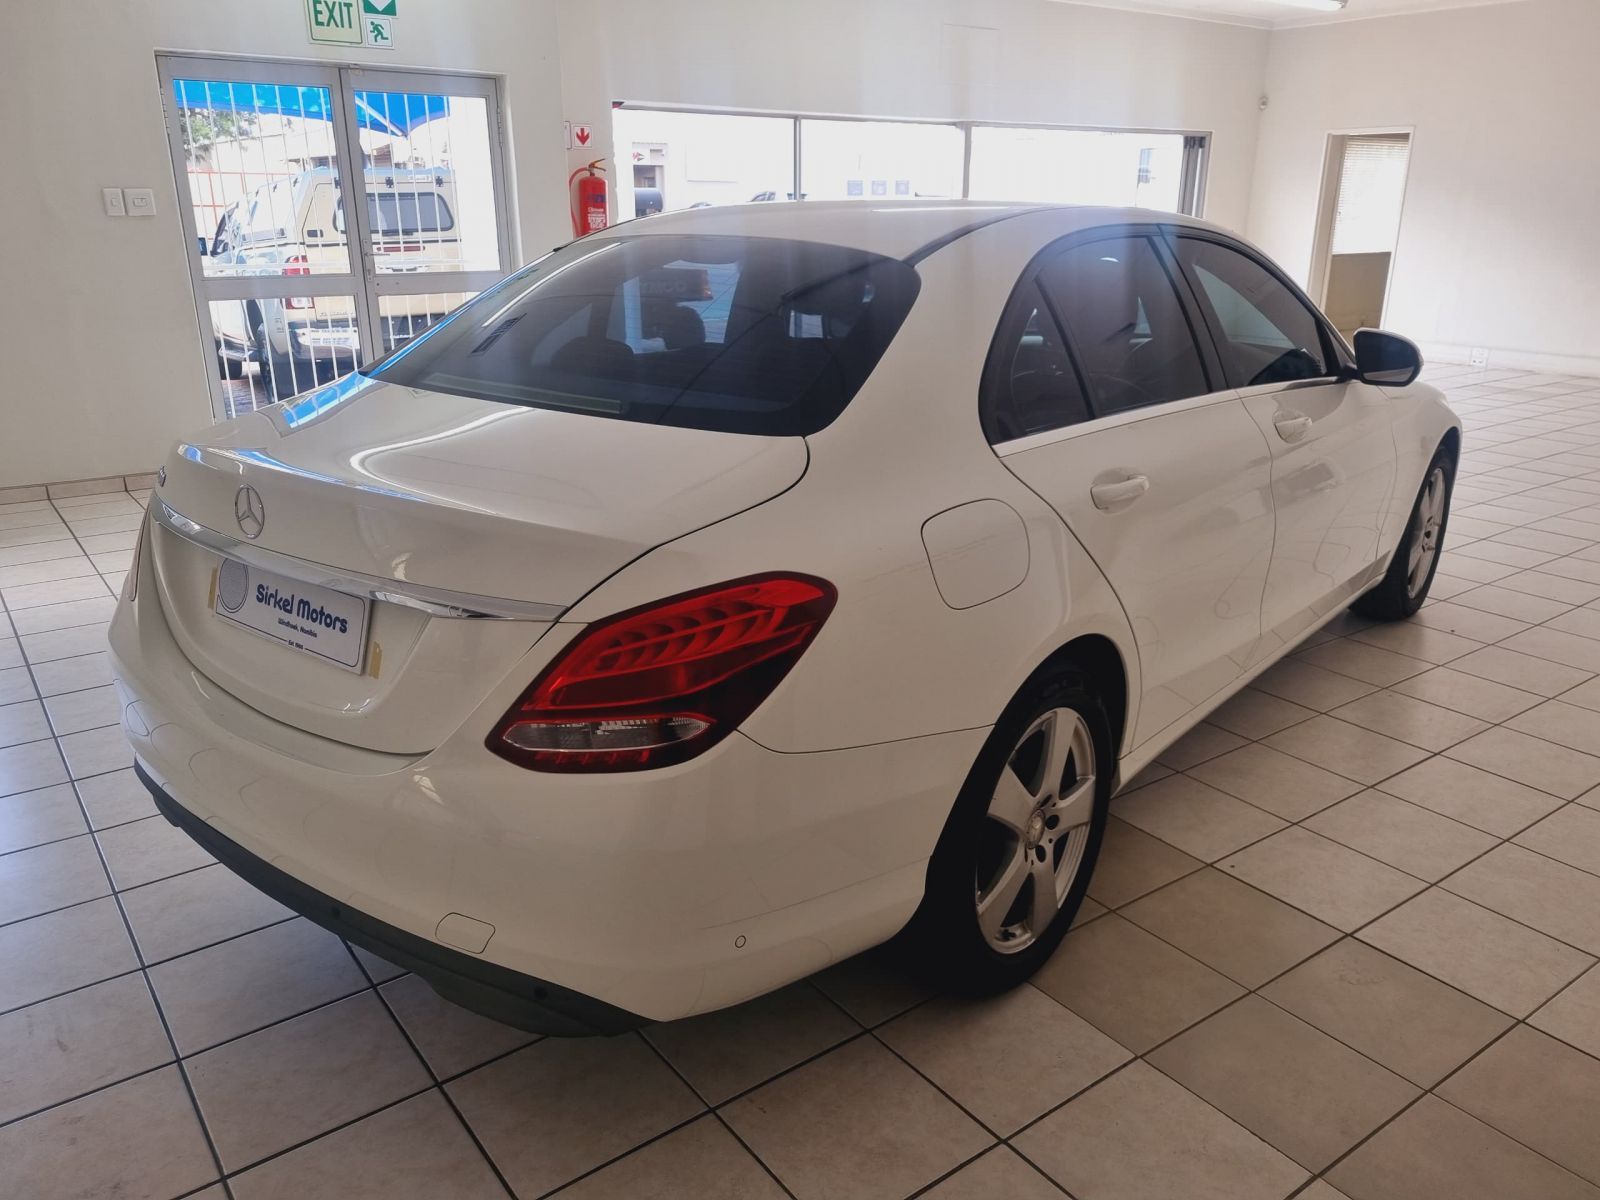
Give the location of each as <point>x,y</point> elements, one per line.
<point>579,137</point>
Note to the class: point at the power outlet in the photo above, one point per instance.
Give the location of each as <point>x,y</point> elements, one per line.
<point>1480,356</point>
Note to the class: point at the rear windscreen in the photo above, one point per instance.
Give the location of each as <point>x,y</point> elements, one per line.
<point>745,335</point>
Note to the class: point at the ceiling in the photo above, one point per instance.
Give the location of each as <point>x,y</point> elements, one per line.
<point>1278,14</point>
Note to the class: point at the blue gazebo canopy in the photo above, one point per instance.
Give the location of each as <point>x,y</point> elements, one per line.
<point>387,112</point>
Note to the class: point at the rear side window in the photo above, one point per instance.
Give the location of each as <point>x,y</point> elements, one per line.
<point>1265,333</point>
<point>401,214</point>
<point>1125,323</point>
<point>1030,386</point>
<point>745,335</point>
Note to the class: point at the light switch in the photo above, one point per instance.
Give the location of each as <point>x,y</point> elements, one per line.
<point>141,201</point>
<point>112,198</point>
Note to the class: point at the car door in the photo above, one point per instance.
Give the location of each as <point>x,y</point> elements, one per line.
<point>1157,468</point>
<point>1331,436</point>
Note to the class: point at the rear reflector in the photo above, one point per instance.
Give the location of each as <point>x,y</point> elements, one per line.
<point>663,683</point>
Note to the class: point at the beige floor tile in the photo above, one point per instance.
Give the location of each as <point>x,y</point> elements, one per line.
<point>416,1150</point>
<point>1470,623</point>
<point>971,1051</point>
<point>1495,598</point>
<point>1298,1089</point>
<point>1500,962</point>
<point>1331,882</point>
<point>1570,649</point>
<point>64,643</point>
<point>1436,1150</point>
<point>726,1052</point>
<point>1194,817</point>
<point>1418,641</point>
<point>1280,783</point>
<point>144,851</point>
<point>1474,797</point>
<point>1476,570</point>
<point>1131,984</point>
<point>1310,685</point>
<point>999,1173</point>
<point>37,552</point>
<point>563,1106</point>
<point>22,722</point>
<point>857,1121</point>
<point>33,818</point>
<point>1200,743</point>
<point>1346,749</point>
<point>702,1160</point>
<point>59,591</point>
<point>196,909</point>
<point>93,708</point>
<point>1321,1190</point>
<point>16,685</point>
<point>29,766</point>
<point>1177,1145</point>
<point>1359,660</point>
<point>251,981</point>
<point>1231,927</point>
<point>115,798</point>
<point>1407,837</point>
<point>1570,835</point>
<point>62,616</point>
<point>139,1140</point>
<point>45,956</point>
<point>1410,720</point>
<point>1523,557</point>
<point>1394,1014</point>
<point>1573,1015</point>
<point>289,1082</point>
<point>96,751</point>
<point>874,986</point>
<point>1132,863</point>
<point>49,877</point>
<point>51,571</point>
<point>379,970</point>
<point>1255,714</point>
<point>1584,622</point>
<point>1537,891</point>
<point>78,1042</point>
<point>1551,768</point>
<point>1523,671</point>
<point>1463,693</point>
<point>1539,1091</point>
<point>450,1038</point>
<point>73,674</point>
<point>1568,725</point>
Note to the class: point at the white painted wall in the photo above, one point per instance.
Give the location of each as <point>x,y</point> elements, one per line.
<point>986,60</point>
<point>1499,242</point>
<point>100,362</point>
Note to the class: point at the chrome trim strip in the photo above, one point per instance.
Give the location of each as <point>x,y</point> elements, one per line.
<point>437,602</point>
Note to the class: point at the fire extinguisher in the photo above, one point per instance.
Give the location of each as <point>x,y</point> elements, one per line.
<point>589,199</point>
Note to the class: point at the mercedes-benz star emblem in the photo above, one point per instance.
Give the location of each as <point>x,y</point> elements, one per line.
<point>249,511</point>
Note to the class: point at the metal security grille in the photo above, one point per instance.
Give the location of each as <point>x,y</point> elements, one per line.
<point>333,213</point>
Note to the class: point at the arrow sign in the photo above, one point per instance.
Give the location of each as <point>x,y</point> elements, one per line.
<point>582,134</point>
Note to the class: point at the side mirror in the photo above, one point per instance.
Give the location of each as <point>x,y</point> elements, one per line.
<point>1386,359</point>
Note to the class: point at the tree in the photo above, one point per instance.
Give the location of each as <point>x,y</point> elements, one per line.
<point>205,127</point>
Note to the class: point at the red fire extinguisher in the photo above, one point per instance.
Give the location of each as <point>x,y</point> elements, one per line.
<point>589,199</point>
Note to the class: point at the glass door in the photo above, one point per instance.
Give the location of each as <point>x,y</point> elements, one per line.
<point>296,286</point>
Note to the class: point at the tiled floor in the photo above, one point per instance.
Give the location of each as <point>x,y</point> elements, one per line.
<point>1348,949</point>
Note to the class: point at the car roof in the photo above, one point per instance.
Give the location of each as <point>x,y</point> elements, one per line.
<point>895,228</point>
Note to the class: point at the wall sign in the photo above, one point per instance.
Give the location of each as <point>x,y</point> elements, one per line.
<point>333,21</point>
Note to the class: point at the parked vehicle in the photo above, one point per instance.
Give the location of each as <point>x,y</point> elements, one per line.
<point>297,226</point>
<point>726,593</point>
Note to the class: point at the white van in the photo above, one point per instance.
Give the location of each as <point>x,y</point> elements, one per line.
<point>296,226</point>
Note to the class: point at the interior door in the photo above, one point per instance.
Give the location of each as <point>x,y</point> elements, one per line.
<point>1331,436</point>
<point>1166,484</point>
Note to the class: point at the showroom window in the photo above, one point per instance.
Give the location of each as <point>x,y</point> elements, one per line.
<point>295,286</point>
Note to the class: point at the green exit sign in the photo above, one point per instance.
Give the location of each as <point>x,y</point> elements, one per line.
<point>337,21</point>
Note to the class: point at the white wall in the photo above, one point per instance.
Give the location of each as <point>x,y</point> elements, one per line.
<point>1499,240</point>
<point>100,362</point>
<point>995,60</point>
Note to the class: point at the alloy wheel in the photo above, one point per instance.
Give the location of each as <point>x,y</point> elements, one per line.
<point>1426,526</point>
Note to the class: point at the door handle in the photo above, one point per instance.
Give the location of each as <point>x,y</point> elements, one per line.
<point>1109,495</point>
<point>1291,426</point>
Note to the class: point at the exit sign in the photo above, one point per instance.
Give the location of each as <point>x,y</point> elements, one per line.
<point>337,21</point>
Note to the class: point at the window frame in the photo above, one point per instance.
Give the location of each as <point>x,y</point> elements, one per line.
<point>1334,351</point>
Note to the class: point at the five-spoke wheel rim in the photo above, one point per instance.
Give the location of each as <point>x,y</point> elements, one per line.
<point>1032,844</point>
<point>1426,526</point>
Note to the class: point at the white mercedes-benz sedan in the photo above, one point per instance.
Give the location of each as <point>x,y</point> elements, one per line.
<point>730,591</point>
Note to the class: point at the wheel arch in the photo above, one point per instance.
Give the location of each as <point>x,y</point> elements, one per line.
<point>1099,657</point>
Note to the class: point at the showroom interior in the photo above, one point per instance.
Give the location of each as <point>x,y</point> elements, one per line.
<point>1343,935</point>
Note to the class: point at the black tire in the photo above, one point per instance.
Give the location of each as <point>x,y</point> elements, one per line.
<point>231,368</point>
<point>1399,594</point>
<point>944,940</point>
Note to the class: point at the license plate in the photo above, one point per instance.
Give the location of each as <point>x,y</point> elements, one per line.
<point>304,616</point>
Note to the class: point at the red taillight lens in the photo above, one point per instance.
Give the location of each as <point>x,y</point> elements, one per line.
<point>663,683</point>
<point>297,264</point>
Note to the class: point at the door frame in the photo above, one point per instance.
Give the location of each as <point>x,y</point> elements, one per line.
<point>1328,207</point>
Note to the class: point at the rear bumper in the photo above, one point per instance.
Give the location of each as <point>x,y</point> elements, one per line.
<point>536,1005</point>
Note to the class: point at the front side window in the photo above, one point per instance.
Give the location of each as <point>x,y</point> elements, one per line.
<point>745,335</point>
<point>1125,323</point>
<point>1031,386</point>
<point>1265,332</point>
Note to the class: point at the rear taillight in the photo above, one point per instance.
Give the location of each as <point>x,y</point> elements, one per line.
<point>663,683</point>
<point>297,264</point>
